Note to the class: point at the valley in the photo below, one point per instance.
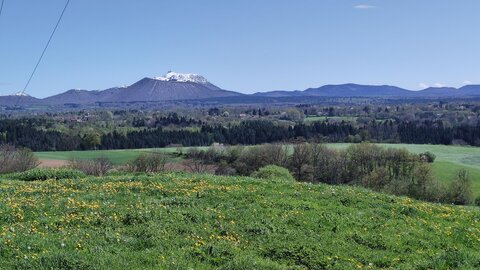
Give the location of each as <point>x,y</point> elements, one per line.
<point>239,135</point>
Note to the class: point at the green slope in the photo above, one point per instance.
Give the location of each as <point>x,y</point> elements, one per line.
<point>183,221</point>
<point>118,157</point>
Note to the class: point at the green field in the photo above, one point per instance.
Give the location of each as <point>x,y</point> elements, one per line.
<point>183,221</point>
<point>117,157</point>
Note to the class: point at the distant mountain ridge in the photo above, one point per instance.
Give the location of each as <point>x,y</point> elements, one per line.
<point>179,86</point>
<point>358,90</point>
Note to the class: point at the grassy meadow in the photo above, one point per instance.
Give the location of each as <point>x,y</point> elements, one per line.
<point>117,157</point>
<point>184,221</point>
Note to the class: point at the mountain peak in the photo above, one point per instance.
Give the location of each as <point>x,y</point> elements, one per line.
<point>182,77</point>
<point>21,94</point>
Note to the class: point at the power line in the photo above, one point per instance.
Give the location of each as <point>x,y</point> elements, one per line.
<point>44,49</point>
<point>1,8</point>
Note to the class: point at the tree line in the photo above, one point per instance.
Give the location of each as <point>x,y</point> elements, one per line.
<point>388,170</point>
<point>32,133</point>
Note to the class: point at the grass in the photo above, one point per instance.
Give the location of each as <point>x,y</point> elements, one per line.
<point>118,157</point>
<point>184,221</point>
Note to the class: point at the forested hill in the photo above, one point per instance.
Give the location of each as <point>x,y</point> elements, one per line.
<point>32,133</point>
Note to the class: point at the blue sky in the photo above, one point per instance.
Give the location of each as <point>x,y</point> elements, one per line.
<point>242,45</point>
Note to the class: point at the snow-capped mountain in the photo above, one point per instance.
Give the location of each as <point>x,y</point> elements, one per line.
<point>18,99</point>
<point>175,86</point>
<point>172,86</point>
<point>182,77</point>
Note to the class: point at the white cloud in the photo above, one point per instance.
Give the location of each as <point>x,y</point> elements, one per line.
<point>364,7</point>
<point>423,85</point>
<point>439,85</point>
<point>467,82</point>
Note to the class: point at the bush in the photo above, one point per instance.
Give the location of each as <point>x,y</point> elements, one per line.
<point>428,157</point>
<point>477,201</point>
<point>376,180</point>
<point>273,172</point>
<point>96,167</point>
<point>224,168</point>
<point>423,182</point>
<point>247,160</point>
<point>196,165</point>
<point>45,174</point>
<point>460,190</point>
<point>148,163</point>
<point>14,159</point>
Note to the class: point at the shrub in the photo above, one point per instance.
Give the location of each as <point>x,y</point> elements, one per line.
<point>233,153</point>
<point>273,172</point>
<point>97,167</point>
<point>209,156</point>
<point>247,160</point>
<point>428,157</point>
<point>477,201</point>
<point>398,187</point>
<point>239,160</point>
<point>376,180</point>
<point>14,159</point>
<point>460,190</point>
<point>224,168</point>
<point>250,160</point>
<point>421,187</point>
<point>275,154</point>
<point>196,165</point>
<point>45,174</point>
<point>148,163</point>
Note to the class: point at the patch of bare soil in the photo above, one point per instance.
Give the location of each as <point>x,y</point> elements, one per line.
<point>52,163</point>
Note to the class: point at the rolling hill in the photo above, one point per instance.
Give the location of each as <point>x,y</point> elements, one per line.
<point>186,221</point>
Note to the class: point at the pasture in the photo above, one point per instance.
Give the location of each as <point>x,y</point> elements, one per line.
<point>117,157</point>
<point>184,221</point>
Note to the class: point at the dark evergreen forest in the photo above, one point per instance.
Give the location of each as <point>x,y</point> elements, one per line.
<point>26,133</point>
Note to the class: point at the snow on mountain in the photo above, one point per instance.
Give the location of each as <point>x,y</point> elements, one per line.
<point>182,77</point>
<point>20,94</point>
